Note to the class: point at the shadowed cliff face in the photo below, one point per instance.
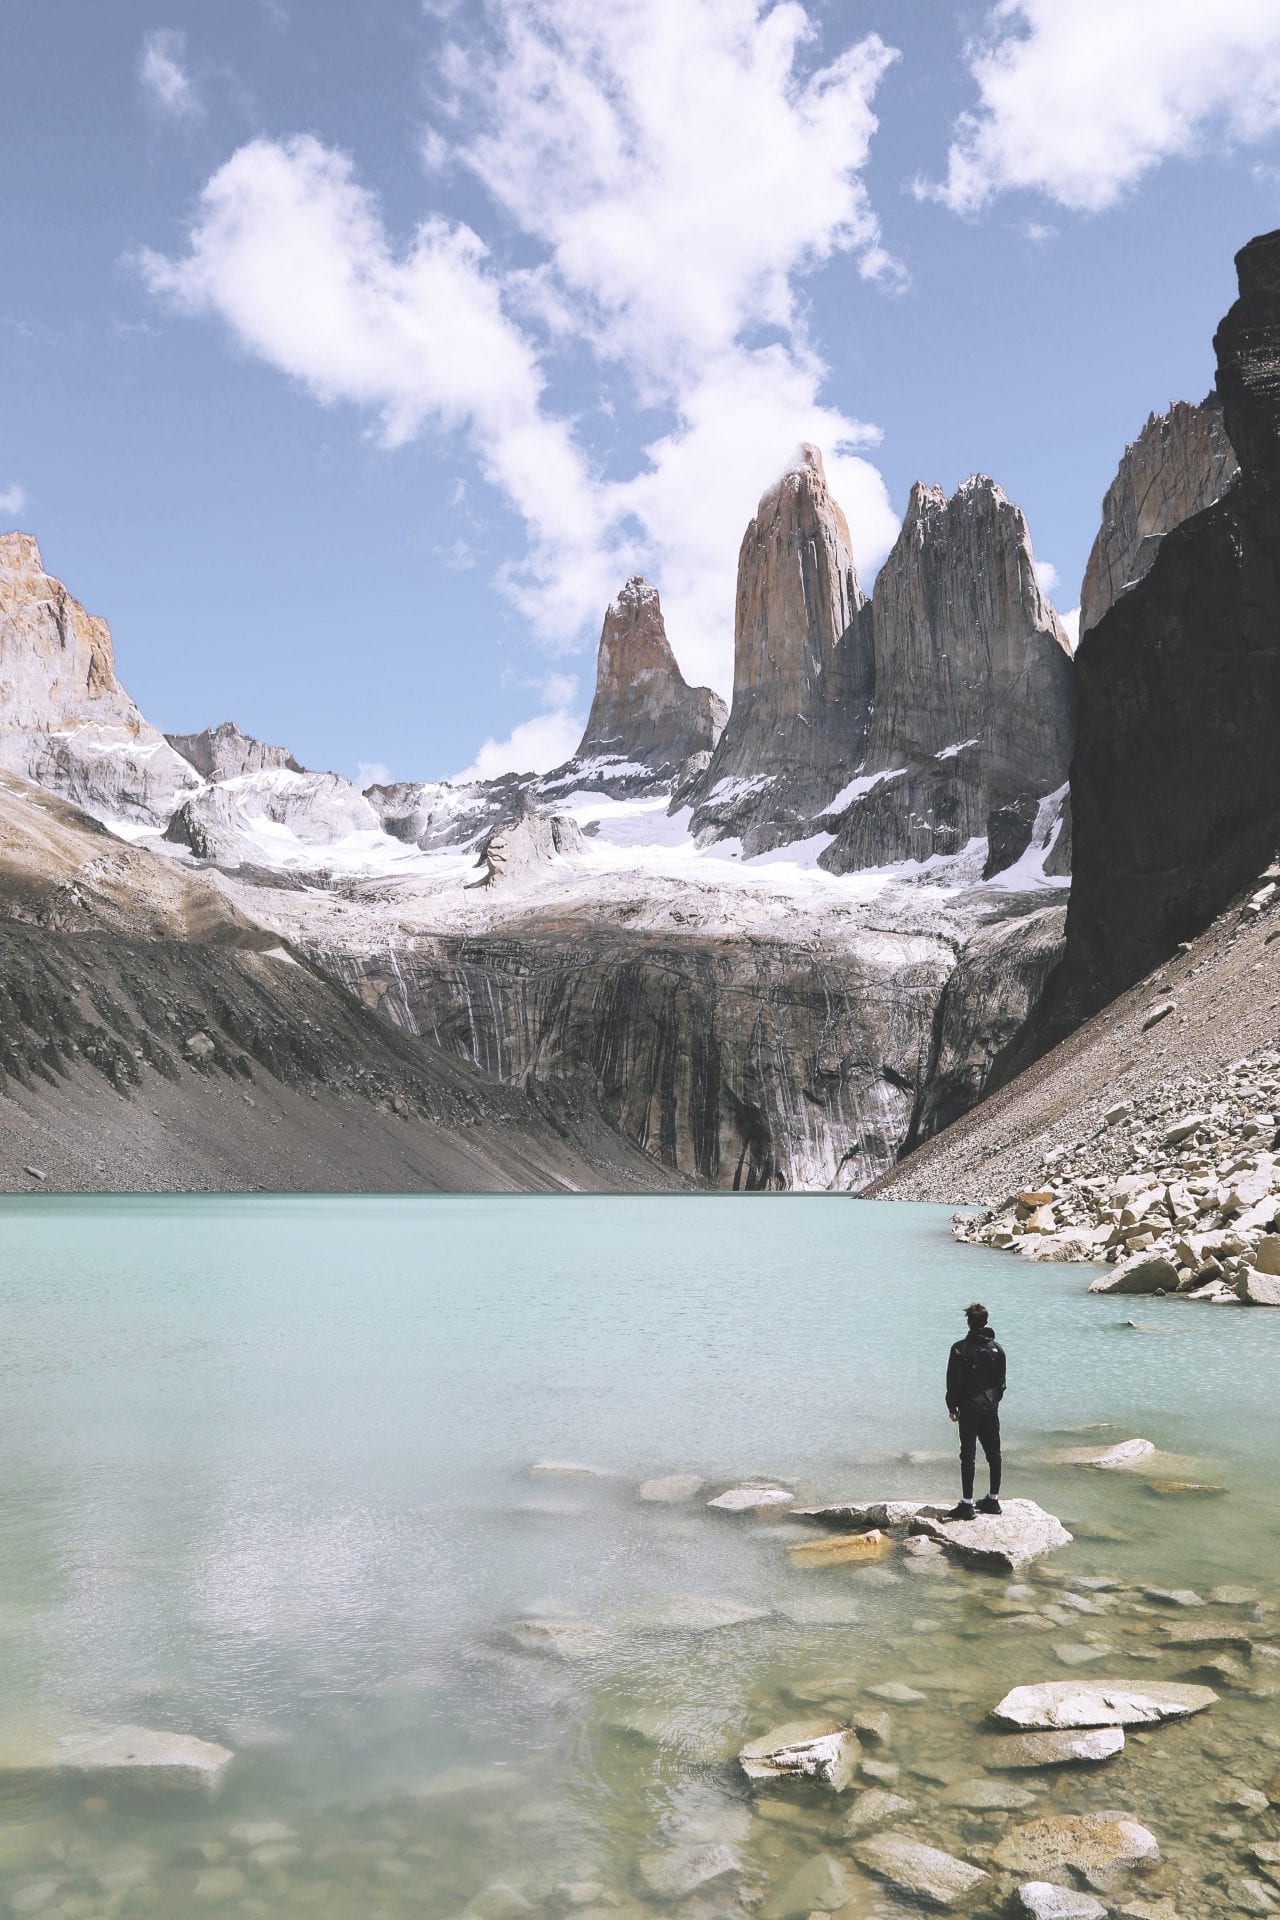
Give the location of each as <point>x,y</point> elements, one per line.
<point>802,679</point>
<point>645,722</point>
<point>974,705</point>
<point>1180,463</point>
<point>1175,783</point>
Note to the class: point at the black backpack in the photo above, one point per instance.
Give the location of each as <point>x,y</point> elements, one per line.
<point>979,1374</point>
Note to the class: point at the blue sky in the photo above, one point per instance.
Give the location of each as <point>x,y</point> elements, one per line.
<point>350,357</point>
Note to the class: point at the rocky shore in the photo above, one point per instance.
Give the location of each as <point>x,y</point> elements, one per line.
<point>1179,1193</point>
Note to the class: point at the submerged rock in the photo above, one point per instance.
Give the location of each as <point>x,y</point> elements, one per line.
<point>1056,1750</point>
<point>875,1807</point>
<point>96,1757</point>
<point>671,1488</point>
<point>924,1872</point>
<point>676,1874</point>
<point>1097,1846</point>
<point>803,1750</point>
<point>1101,1703</point>
<point>839,1549</point>
<point>553,1639</point>
<point>821,1885</point>
<point>1041,1900</point>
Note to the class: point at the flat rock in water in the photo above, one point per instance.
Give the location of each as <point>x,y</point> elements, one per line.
<point>803,1750</point>
<point>669,1489</point>
<point>106,1756</point>
<point>1064,1748</point>
<point>923,1872</point>
<point>1100,1703</point>
<point>566,1470</point>
<point>1097,1846</point>
<point>1022,1532</point>
<point>748,1499</point>
<point>1041,1900</point>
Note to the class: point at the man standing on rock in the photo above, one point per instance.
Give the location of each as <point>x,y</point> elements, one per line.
<point>975,1388</point>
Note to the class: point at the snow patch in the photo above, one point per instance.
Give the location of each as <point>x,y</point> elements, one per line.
<point>865,783</point>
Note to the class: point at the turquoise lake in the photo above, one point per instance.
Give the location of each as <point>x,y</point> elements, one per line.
<point>266,1479</point>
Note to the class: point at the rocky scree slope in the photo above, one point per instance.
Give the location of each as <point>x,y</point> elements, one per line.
<point>153,1037</point>
<point>1100,1103</point>
<point>1175,779</point>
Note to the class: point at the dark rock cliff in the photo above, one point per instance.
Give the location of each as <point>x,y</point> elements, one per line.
<point>1175,782</point>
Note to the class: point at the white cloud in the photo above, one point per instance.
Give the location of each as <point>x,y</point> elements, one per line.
<point>163,74</point>
<point>372,773</point>
<point>1047,575</point>
<point>677,167</point>
<point>12,498</point>
<point>534,746</point>
<point>1071,621</point>
<point>1079,100</point>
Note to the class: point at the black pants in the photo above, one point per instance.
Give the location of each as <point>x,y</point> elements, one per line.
<point>979,1425</point>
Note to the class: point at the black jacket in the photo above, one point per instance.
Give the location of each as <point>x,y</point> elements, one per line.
<point>975,1373</point>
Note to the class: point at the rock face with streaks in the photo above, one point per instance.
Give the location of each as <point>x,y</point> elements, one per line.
<point>1175,784</point>
<point>65,720</point>
<point>746,1059</point>
<point>646,723</point>
<point>1180,463</point>
<point>802,675</point>
<point>973,693</point>
<point>224,753</point>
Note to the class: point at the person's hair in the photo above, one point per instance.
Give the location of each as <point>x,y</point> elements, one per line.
<point>976,1314</point>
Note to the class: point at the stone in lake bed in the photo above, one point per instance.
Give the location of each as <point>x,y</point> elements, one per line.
<point>987,1796</point>
<point>839,1549</point>
<point>554,1639</point>
<point>669,1489</point>
<point>923,1872</point>
<point>117,1756</point>
<point>1097,1846</point>
<point>675,1874</point>
<point>896,1691</point>
<point>1125,1455</point>
<point>750,1499</point>
<point>803,1750</point>
<point>1101,1703</point>
<point>1060,1748</point>
<point>821,1885</point>
<point>875,1807</point>
<point>1041,1900</point>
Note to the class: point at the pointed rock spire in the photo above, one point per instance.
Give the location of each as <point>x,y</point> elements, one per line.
<point>801,677</point>
<point>644,714</point>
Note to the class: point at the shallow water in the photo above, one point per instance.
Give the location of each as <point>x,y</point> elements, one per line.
<point>266,1479</point>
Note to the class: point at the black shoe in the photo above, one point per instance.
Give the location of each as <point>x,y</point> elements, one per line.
<point>963,1512</point>
<point>990,1505</point>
